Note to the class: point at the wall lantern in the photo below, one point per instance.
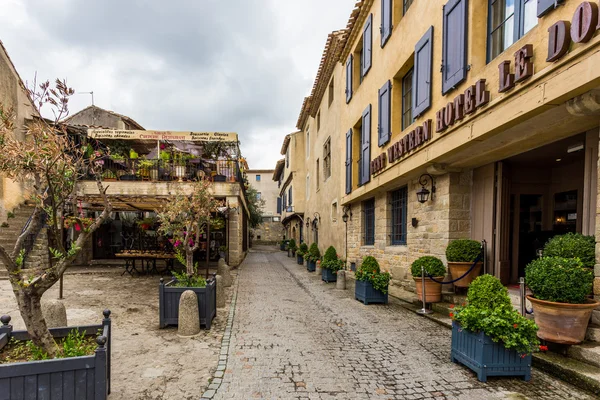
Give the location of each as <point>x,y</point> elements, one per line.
<point>347,214</point>
<point>317,218</point>
<point>423,193</point>
<point>307,222</point>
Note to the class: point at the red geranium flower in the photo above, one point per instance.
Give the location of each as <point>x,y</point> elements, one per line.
<point>515,326</point>
<point>451,305</point>
<point>543,348</point>
<point>451,315</point>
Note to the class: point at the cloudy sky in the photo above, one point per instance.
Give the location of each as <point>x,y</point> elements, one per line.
<point>197,65</point>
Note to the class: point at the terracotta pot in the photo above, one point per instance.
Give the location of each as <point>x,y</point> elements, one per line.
<point>562,322</point>
<point>433,290</point>
<point>458,269</point>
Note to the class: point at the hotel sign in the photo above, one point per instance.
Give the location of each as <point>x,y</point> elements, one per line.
<point>162,135</point>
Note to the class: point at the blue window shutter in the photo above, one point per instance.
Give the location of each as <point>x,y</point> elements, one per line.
<point>545,6</point>
<point>279,205</point>
<point>386,21</point>
<point>290,196</point>
<point>367,53</point>
<point>349,78</point>
<point>421,98</point>
<point>349,162</point>
<point>454,52</point>
<point>365,154</point>
<point>384,121</point>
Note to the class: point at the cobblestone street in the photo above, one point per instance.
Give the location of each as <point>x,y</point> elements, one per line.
<point>295,337</point>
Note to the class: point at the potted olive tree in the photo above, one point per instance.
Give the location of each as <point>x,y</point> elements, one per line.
<point>561,306</point>
<point>301,253</point>
<point>489,335</point>
<point>433,267</point>
<point>292,248</point>
<point>461,255</point>
<point>313,256</point>
<point>331,265</point>
<point>371,283</point>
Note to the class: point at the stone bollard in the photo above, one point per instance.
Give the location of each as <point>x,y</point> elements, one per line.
<point>318,270</point>
<point>225,273</point>
<point>340,284</point>
<point>220,292</point>
<point>189,317</point>
<point>55,313</point>
<point>221,262</point>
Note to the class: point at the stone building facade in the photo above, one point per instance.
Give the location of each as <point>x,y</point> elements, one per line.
<point>501,129</point>
<point>271,229</point>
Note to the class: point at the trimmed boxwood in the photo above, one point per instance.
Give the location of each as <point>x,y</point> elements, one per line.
<point>313,253</point>
<point>330,254</point>
<point>369,271</point>
<point>463,250</point>
<point>433,266</point>
<point>573,245</point>
<point>292,245</point>
<point>560,280</point>
<point>302,250</point>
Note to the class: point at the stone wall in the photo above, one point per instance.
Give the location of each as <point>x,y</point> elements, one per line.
<point>268,232</point>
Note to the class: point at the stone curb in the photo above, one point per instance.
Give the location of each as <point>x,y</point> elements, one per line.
<point>217,379</point>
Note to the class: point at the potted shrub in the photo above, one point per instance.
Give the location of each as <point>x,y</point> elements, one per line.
<point>434,267</point>
<point>282,245</point>
<point>573,245</point>
<point>489,336</point>
<point>292,248</point>
<point>371,283</point>
<point>313,256</point>
<point>108,175</point>
<point>331,265</point>
<point>300,253</point>
<point>461,254</point>
<point>26,368</point>
<point>561,306</point>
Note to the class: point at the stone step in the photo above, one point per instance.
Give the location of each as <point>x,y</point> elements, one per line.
<point>452,298</point>
<point>593,333</point>
<point>586,352</point>
<point>442,308</point>
<point>575,372</point>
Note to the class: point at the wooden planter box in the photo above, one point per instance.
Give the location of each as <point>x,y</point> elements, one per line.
<point>486,357</point>
<point>281,246</point>
<point>300,260</point>
<point>168,303</point>
<point>365,293</point>
<point>80,378</point>
<point>311,266</point>
<point>328,276</point>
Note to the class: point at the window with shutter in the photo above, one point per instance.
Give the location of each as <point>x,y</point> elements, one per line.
<point>279,205</point>
<point>508,21</point>
<point>407,82</point>
<point>365,153</point>
<point>349,79</point>
<point>454,51</point>
<point>290,196</point>
<point>367,52</point>
<point>386,21</point>
<point>545,6</point>
<point>384,117</point>
<point>349,162</point>
<point>422,74</point>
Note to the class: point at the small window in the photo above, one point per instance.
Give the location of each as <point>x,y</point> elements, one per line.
<point>257,178</point>
<point>317,174</point>
<point>331,92</point>
<point>509,20</point>
<point>398,205</point>
<point>369,222</point>
<point>334,212</point>
<point>406,5</point>
<point>258,195</point>
<point>407,118</point>
<point>327,158</point>
<point>276,219</point>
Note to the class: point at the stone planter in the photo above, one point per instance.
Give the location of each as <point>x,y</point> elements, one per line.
<point>433,290</point>
<point>299,260</point>
<point>458,269</point>
<point>311,266</point>
<point>562,322</point>
<point>486,357</point>
<point>328,276</point>
<point>365,293</point>
<point>168,302</point>
<point>81,378</point>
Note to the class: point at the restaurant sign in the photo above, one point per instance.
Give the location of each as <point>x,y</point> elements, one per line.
<point>162,135</point>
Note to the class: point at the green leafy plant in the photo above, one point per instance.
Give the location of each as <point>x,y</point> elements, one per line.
<point>561,280</point>
<point>330,254</point>
<point>573,245</point>
<point>10,215</point>
<point>292,245</point>
<point>490,311</point>
<point>369,271</point>
<point>463,250</point>
<point>331,260</point>
<point>76,344</point>
<point>302,250</point>
<point>433,266</point>
<point>36,352</point>
<point>314,254</point>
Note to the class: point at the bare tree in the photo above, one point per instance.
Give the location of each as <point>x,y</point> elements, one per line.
<point>50,163</point>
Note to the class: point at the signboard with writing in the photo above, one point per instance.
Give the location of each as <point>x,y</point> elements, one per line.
<point>162,135</point>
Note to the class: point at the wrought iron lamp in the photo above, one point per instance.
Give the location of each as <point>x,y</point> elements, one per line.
<point>347,214</point>
<point>423,193</point>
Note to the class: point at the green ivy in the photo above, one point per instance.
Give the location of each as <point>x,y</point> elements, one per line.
<point>573,245</point>
<point>369,271</point>
<point>433,266</point>
<point>561,280</point>
<point>463,250</point>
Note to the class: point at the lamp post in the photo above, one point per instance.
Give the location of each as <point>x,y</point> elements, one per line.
<point>345,217</point>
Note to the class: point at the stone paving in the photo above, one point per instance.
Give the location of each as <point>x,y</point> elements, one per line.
<point>295,337</point>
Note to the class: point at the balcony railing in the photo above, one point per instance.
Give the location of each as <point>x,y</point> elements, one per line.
<point>167,170</point>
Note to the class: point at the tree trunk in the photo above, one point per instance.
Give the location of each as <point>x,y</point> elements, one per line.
<point>31,311</point>
<point>189,261</point>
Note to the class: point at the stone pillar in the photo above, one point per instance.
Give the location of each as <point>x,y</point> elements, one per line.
<point>223,271</point>
<point>189,316</point>
<point>220,292</point>
<point>340,284</point>
<point>54,313</point>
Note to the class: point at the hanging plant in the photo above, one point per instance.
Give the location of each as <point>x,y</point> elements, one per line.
<point>217,223</point>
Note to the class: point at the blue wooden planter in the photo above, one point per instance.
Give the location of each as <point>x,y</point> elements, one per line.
<point>281,246</point>
<point>81,378</point>
<point>311,266</point>
<point>328,276</point>
<point>486,357</point>
<point>168,303</point>
<point>365,292</point>
<point>300,260</point>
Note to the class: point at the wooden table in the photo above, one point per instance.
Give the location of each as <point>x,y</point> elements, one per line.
<point>147,260</point>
